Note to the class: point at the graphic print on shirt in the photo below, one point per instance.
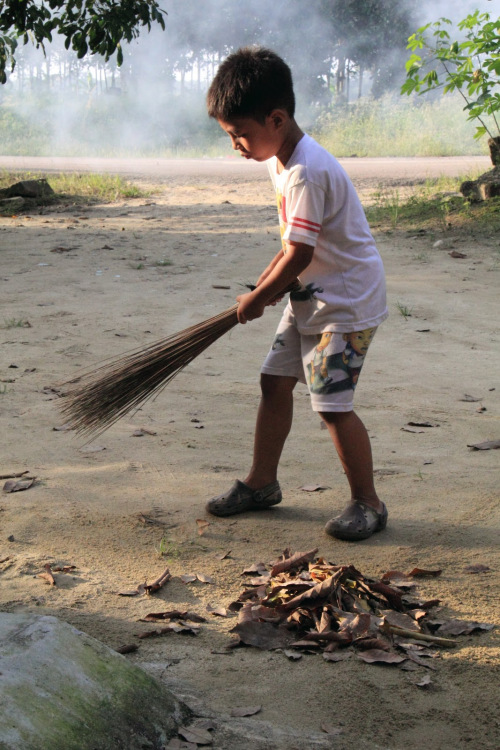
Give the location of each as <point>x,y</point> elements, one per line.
<point>331,373</point>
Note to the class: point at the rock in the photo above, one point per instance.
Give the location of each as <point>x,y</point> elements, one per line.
<point>28,189</point>
<point>60,689</point>
<point>486,186</point>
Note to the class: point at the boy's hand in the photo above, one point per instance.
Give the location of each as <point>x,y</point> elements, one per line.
<point>249,308</point>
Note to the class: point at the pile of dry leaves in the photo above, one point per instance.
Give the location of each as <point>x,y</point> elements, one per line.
<point>305,604</point>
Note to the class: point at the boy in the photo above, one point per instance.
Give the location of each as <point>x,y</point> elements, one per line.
<point>331,318</point>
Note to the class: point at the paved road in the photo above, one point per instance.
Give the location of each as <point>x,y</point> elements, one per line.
<point>162,169</point>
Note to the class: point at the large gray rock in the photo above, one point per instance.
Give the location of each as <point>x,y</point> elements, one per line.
<point>60,689</point>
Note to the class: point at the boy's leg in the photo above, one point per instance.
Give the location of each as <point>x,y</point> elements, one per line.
<point>274,419</point>
<point>366,513</point>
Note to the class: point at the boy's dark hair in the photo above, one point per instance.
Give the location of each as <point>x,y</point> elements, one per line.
<point>251,83</point>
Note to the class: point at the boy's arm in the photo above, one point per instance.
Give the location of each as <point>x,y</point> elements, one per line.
<point>265,273</point>
<point>283,270</point>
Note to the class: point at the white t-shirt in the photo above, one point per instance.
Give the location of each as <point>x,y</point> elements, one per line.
<point>344,285</point>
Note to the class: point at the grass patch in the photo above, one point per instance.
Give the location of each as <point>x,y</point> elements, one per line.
<point>16,323</point>
<point>398,126</point>
<point>79,188</point>
<point>434,206</point>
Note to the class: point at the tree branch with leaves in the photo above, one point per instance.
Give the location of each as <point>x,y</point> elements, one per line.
<point>470,66</point>
<point>88,26</point>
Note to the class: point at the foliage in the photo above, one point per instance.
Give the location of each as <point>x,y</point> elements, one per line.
<point>95,26</point>
<point>392,126</point>
<point>470,66</point>
<point>434,207</point>
<point>79,188</point>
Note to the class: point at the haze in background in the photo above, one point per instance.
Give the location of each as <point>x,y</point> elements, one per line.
<point>154,104</point>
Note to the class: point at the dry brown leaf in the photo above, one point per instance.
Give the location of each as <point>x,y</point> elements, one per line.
<point>456,254</point>
<point>263,635</point>
<point>376,655</point>
<point>337,655</point>
<point>477,568</point>
<point>330,729</point>
<point>422,573</point>
<point>141,431</point>
<point>470,399</point>
<point>259,568</point>
<point>195,735</point>
<point>488,445</point>
<point>13,485</point>
<point>314,488</point>
<point>224,555</point>
<point>202,525</point>
<point>217,611</point>
<point>127,649</point>
<point>462,627</point>
<point>293,561</point>
<point>187,578</point>
<point>246,711</point>
<point>203,578</point>
<point>92,448</point>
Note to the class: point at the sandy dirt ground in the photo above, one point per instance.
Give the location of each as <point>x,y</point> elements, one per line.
<point>82,284</point>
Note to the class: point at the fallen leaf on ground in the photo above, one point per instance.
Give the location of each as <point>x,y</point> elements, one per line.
<point>424,682</point>
<point>293,561</point>
<point>488,445</point>
<point>218,611</point>
<point>410,429</point>
<point>92,448</point>
<point>127,649</point>
<point>203,578</point>
<point>224,555</point>
<point>62,428</point>
<point>422,424</point>
<point>330,729</point>
<point>202,525</point>
<point>314,488</point>
<point>187,578</point>
<point>456,254</point>
<point>141,431</point>
<point>48,575</point>
<point>337,655</point>
<point>422,573</point>
<point>173,614</point>
<point>462,627</point>
<point>246,711</point>
<point>477,568</point>
<point>12,485</point>
<point>195,735</point>
<point>376,655</point>
<point>259,568</point>
<point>471,399</point>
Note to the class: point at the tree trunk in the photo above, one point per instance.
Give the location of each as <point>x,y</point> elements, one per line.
<point>494,146</point>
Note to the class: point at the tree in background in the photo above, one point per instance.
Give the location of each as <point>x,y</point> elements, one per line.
<point>470,66</point>
<point>95,26</point>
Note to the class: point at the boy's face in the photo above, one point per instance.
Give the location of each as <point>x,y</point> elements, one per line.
<point>253,139</point>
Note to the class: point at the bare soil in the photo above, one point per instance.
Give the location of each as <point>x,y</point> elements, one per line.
<point>83,284</point>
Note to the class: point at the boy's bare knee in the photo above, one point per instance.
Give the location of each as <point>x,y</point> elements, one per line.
<point>335,417</point>
<point>276,385</point>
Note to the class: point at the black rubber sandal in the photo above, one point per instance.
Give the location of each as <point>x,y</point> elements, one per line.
<point>358,521</point>
<point>241,498</point>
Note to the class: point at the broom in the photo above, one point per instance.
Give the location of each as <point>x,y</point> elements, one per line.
<point>98,398</point>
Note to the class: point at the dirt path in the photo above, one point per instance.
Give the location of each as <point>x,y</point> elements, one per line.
<point>128,274</point>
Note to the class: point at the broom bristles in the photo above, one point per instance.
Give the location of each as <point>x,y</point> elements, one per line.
<point>102,396</point>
